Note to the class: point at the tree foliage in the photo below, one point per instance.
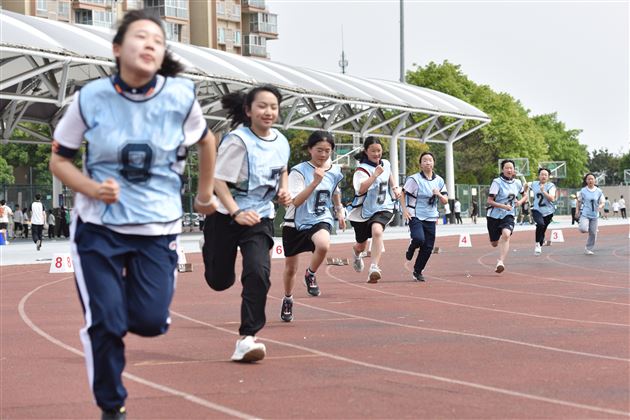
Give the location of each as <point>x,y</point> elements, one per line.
<point>513,132</point>
<point>602,161</point>
<point>6,172</point>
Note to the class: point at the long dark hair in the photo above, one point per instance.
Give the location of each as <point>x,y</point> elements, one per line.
<point>170,66</point>
<point>317,136</point>
<point>370,140</point>
<point>237,103</point>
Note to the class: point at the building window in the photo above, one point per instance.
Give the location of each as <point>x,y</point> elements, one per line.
<point>220,8</point>
<point>173,31</point>
<point>237,37</point>
<point>263,22</point>
<point>104,19</point>
<point>83,16</point>
<point>221,35</point>
<point>134,4</point>
<point>63,10</point>
<point>237,10</point>
<point>176,8</point>
<point>169,8</point>
<point>41,6</point>
<point>260,4</point>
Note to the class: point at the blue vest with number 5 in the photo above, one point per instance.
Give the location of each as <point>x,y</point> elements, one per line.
<point>378,197</point>
<point>136,142</point>
<point>316,208</point>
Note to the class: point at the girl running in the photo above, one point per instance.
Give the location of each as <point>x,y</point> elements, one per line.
<point>590,200</point>
<point>502,203</point>
<point>128,211</point>
<point>544,207</point>
<point>251,170</point>
<point>373,204</point>
<point>419,203</point>
<point>308,221</point>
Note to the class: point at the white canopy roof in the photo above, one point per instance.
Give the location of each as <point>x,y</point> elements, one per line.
<point>43,62</point>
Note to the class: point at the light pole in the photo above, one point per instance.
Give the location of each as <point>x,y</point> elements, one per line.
<point>343,63</point>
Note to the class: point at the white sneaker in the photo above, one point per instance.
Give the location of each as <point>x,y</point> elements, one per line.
<point>537,249</point>
<point>248,350</point>
<point>500,267</point>
<point>375,274</point>
<point>588,251</point>
<point>357,263</point>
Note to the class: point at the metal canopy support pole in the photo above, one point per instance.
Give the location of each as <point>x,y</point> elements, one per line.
<point>403,143</point>
<point>57,189</point>
<point>450,168</point>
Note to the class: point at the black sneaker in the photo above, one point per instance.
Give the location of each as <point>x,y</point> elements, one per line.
<point>286,313</point>
<point>418,277</point>
<point>39,244</point>
<point>114,414</point>
<point>311,284</point>
<point>410,252</point>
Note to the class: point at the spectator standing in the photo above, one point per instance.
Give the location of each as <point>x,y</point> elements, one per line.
<point>51,224</point>
<point>5,213</point>
<point>38,218</point>
<point>474,212</point>
<point>457,208</point>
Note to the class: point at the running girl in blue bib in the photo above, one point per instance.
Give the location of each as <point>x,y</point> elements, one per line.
<point>373,205</point>
<point>251,171</point>
<point>502,203</point>
<point>422,191</point>
<point>544,206</point>
<point>137,125</point>
<point>590,200</point>
<point>313,186</point>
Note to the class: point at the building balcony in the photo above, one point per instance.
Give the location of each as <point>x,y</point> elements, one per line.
<point>87,4</point>
<point>270,30</point>
<point>259,5</point>
<point>255,50</point>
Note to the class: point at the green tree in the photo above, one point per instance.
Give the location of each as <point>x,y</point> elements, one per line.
<point>6,172</point>
<point>624,164</point>
<point>603,161</point>
<point>512,132</point>
<point>564,145</point>
<point>35,156</point>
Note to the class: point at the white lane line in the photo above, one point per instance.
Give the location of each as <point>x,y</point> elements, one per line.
<point>166,389</point>
<point>522,292</point>
<point>598,270</point>
<point>465,334</point>
<point>583,283</point>
<point>581,321</point>
<point>422,375</point>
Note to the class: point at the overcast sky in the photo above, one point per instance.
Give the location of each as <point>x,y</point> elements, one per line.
<point>569,57</point>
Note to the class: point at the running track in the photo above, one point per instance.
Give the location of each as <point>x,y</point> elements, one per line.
<point>550,337</point>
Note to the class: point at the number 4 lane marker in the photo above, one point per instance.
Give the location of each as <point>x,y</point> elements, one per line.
<point>464,240</point>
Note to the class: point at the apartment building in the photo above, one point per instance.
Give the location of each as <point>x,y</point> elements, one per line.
<point>238,26</point>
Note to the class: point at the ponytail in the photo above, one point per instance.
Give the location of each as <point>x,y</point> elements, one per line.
<point>234,104</point>
<point>237,103</point>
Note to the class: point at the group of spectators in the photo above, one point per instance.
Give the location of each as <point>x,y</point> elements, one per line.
<point>19,222</point>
